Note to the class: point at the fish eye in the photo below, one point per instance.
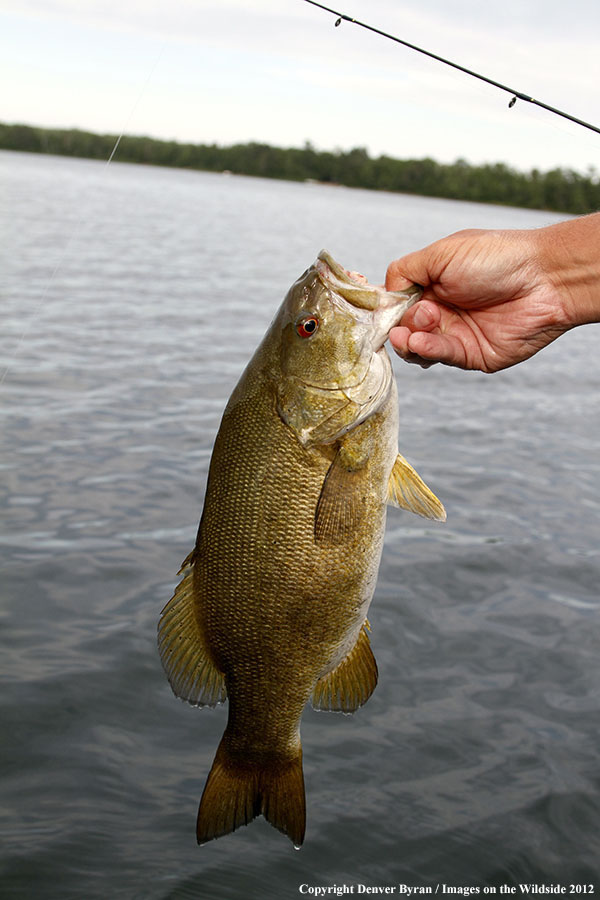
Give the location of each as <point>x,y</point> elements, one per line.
<point>307,326</point>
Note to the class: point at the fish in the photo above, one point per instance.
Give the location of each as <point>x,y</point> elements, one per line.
<point>271,609</point>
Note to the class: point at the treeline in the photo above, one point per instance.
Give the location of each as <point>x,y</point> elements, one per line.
<point>562,190</point>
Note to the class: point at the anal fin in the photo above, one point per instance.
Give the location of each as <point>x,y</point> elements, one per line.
<point>185,658</point>
<point>407,490</point>
<point>351,683</point>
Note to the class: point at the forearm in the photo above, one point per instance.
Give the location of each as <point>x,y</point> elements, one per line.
<point>569,253</point>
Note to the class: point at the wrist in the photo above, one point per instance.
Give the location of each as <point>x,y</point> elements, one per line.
<point>569,254</point>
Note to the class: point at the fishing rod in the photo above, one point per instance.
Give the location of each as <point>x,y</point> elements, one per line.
<point>516,95</point>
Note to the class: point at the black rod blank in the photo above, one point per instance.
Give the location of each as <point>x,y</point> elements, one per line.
<point>503,87</point>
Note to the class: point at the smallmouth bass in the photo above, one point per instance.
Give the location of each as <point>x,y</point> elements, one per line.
<point>271,610</point>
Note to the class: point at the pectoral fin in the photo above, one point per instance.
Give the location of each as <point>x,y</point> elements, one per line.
<point>185,658</point>
<point>408,491</point>
<point>351,683</point>
<point>341,504</point>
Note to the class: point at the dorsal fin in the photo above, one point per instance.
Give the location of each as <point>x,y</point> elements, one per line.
<point>185,658</point>
<point>407,490</point>
<point>352,682</point>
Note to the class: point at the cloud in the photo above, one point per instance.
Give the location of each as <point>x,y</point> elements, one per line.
<point>279,71</point>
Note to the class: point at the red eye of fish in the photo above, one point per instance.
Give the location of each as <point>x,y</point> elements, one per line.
<point>307,327</point>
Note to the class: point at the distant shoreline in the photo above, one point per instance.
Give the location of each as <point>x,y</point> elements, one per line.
<point>557,190</point>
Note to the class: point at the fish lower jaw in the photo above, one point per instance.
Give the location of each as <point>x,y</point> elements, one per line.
<point>386,318</point>
<point>379,343</point>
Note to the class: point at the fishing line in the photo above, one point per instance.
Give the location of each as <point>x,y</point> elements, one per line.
<point>77,227</point>
<point>516,95</point>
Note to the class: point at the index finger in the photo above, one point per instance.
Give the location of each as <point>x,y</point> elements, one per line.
<point>410,268</point>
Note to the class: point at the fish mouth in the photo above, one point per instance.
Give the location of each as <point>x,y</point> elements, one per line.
<point>386,307</point>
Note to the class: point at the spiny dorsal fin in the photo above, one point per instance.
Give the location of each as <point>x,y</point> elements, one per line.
<point>190,670</point>
<point>408,491</point>
<point>351,683</point>
<point>341,504</point>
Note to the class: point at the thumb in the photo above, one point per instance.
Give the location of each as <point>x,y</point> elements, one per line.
<point>412,267</point>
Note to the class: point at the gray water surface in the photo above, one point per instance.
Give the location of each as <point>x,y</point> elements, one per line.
<point>131,299</point>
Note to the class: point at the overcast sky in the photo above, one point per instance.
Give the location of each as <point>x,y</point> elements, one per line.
<point>278,71</point>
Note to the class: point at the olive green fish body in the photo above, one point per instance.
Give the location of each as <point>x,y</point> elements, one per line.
<point>272,608</point>
<point>271,592</point>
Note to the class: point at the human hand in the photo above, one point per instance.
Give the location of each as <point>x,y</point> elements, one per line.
<point>491,298</point>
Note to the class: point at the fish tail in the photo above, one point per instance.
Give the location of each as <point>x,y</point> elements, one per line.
<point>238,791</point>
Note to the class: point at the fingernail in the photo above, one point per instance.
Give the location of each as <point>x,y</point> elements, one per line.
<point>422,318</point>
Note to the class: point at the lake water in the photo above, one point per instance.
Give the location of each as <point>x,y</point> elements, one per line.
<point>131,299</point>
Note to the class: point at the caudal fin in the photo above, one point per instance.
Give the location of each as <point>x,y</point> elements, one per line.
<point>236,792</point>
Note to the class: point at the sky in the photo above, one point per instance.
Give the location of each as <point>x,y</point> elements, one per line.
<point>280,72</point>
